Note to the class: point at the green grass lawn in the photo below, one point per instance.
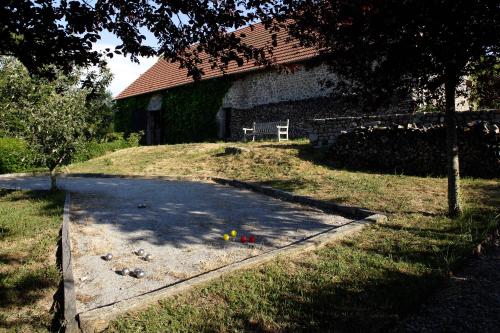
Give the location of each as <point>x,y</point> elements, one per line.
<point>365,283</point>
<point>29,229</point>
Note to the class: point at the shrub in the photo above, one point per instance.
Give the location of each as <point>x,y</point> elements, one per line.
<point>15,156</point>
<point>134,139</point>
<point>93,149</point>
<point>114,136</point>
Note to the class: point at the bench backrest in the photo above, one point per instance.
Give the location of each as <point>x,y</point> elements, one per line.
<point>270,127</point>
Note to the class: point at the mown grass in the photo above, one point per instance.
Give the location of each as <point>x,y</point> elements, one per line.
<point>29,228</point>
<point>365,283</point>
<point>293,166</point>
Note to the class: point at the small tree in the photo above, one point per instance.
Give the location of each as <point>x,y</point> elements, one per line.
<point>57,123</point>
<point>52,116</point>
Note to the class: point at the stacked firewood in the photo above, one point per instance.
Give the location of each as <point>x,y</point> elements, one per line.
<point>419,150</point>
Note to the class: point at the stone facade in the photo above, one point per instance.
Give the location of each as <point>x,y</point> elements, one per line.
<point>324,132</point>
<point>276,96</point>
<point>299,96</point>
<point>271,87</point>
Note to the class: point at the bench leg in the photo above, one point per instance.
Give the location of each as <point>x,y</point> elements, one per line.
<point>280,137</point>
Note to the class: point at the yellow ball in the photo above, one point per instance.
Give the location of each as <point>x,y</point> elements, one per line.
<point>233,233</point>
<point>226,237</point>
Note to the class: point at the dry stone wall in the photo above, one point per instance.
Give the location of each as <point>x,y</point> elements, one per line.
<point>421,151</point>
<point>324,132</point>
<point>298,112</point>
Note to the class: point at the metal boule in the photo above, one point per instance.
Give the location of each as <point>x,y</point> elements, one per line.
<point>139,273</point>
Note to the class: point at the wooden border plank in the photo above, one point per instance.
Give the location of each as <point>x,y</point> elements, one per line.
<point>70,322</point>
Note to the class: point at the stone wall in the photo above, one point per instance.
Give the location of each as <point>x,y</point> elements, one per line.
<point>324,132</point>
<point>419,151</point>
<point>298,112</point>
<point>272,95</point>
<point>273,86</point>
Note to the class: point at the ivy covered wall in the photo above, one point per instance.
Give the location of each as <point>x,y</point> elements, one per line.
<point>130,114</point>
<point>188,112</point>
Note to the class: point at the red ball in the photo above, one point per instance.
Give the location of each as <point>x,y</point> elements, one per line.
<point>251,239</point>
<point>243,239</point>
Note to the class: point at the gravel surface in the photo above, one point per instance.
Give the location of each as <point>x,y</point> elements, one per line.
<point>180,223</point>
<point>470,302</point>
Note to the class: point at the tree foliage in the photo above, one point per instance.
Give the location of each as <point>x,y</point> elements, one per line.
<point>53,115</point>
<point>99,102</point>
<point>20,91</point>
<point>485,89</point>
<point>383,47</point>
<point>62,32</point>
<point>56,125</point>
<point>17,92</point>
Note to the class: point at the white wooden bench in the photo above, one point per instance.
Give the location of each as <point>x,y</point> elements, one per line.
<point>278,128</point>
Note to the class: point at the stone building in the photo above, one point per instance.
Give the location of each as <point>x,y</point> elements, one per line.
<point>170,107</point>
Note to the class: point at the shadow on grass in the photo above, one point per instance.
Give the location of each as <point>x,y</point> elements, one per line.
<point>305,151</point>
<point>26,289</point>
<point>372,305</point>
<point>486,195</point>
<point>315,297</point>
<point>359,285</point>
<point>295,185</point>
<point>24,280</point>
<point>321,156</point>
<point>51,200</point>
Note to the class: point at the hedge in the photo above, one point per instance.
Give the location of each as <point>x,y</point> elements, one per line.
<point>15,156</point>
<point>93,149</point>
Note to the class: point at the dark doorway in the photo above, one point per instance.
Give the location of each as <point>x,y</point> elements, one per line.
<point>227,123</point>
<point>153,129</point>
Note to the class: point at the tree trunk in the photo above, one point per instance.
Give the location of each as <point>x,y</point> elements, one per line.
<point>453,170</point>
<point>53,185</point>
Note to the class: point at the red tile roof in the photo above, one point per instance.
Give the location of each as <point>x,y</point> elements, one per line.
<point>164,74</point>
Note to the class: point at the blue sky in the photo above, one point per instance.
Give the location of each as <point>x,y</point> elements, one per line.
<point>124,70</point>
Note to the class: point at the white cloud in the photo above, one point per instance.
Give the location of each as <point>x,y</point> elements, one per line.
<point>124,70</point>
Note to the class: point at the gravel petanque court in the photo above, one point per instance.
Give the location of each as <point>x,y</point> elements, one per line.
<point>180,223</point>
